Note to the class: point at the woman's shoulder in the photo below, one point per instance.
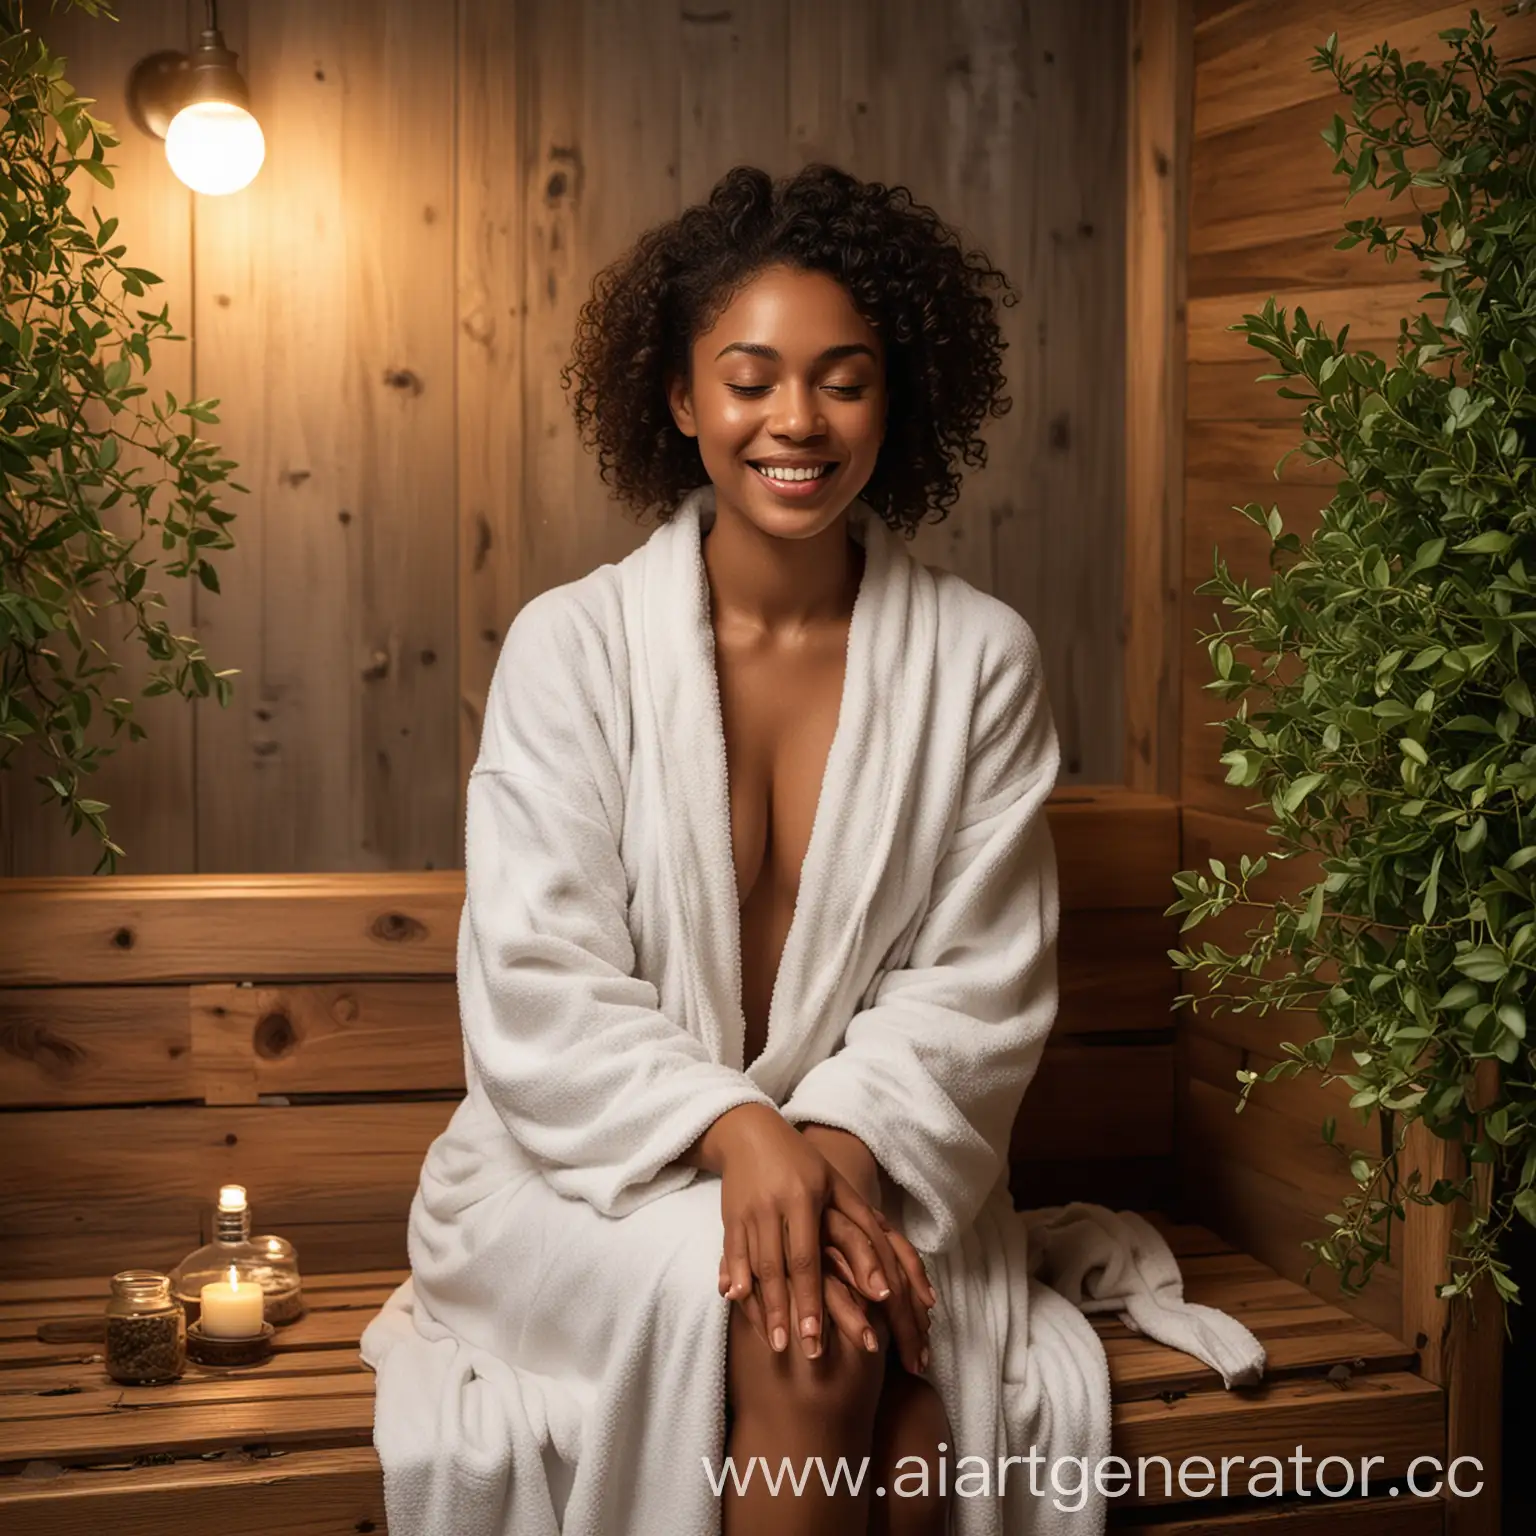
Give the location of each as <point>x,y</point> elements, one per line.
<point>992,634</point>
<point>560,666</point>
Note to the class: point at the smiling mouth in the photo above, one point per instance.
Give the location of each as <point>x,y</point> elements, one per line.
<point>778,474</point>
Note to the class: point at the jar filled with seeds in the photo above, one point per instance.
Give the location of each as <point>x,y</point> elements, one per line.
<point>146,1329</point>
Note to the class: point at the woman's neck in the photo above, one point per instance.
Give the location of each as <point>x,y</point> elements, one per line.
<point>776,584</point>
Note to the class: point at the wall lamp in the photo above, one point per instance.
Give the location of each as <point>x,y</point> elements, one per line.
<point>200,106</point>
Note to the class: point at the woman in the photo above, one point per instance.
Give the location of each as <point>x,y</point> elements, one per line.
<point>757,956</point>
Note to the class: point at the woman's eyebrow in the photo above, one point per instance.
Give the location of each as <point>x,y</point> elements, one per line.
<point>758,349</point>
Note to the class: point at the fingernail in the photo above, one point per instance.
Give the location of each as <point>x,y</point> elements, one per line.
<point>780,1337</point>
<point>885,1285</point>
<point>871,1343</point>
<point>809,1325</point>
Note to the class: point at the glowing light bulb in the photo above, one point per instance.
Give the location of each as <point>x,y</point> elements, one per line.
<point>215,146</point>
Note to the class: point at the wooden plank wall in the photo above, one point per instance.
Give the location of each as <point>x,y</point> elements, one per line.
<point>1265,213</point>
<point>300,1035</point>
<point>384,311</point>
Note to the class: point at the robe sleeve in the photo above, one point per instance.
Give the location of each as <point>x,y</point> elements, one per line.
<point>931,1074</point>
<point>570,1046</point>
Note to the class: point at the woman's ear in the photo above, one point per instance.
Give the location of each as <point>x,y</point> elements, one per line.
<point>680,399</point>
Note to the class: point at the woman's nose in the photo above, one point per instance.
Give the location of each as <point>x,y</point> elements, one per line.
<point>797,412</point>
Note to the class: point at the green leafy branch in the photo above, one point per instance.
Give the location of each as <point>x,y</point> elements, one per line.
<point>79,438</point>
<point>1382,677</point>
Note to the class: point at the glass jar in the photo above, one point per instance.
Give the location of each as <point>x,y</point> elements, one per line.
<point>271,1262</point>
<point>146,1329</point>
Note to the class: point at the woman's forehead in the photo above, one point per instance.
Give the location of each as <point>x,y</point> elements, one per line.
<point>795,314</point>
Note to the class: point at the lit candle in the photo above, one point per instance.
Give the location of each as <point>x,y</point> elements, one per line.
<point>233,1308</point>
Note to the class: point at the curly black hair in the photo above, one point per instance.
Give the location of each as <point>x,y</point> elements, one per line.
<point>907,272</point>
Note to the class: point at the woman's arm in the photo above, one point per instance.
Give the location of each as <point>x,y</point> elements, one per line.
<point>573,1050</point>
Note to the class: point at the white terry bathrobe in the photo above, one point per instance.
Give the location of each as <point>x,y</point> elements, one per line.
<point>556,1362</point>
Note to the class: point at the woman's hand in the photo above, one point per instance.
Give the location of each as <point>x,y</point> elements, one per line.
<point>856,1258</point>
<point>775,1187</point>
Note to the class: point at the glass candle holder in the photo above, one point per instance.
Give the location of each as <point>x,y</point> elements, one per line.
<point>271,1262</point>
<point>146,1329</point>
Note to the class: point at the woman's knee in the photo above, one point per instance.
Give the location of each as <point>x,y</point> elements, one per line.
<point>910,1429</point>
<point>839,1390</point>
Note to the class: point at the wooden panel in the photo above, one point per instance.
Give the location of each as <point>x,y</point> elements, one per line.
<point>1310,260</point>
<point>1372,314</point>
<point>342,1037</point>
<point>1462,1347</point>
<point>1098,1101</point>
<point>1065,67</point>
<point>1132,996</point>
<point>1243,1183</point>
<point>1273,179</point>
<point>95,1045</point>
<point>488,357</point>
<point>1376,1516</point>
<point>114,1188</point>
<point>325,324</point>
<point>148,783</point>
<point>70,931</point>
<point>1256,61</point>
<point>1158,126</point>
<point>1113,847</point>
<point>1392,1415</point>
<point>304,1493</point>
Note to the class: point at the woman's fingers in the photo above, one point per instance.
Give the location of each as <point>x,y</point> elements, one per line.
<point>765,1239</point>
<point>803,1258</point>
<point>858,1252</point>
<point>849,1317</point>
<point>903,1307</point>
<point>912,1262</point>
<point>752,1305</point>
<point>736,1261</point>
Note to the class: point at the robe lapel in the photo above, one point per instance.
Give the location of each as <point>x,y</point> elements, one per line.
<point>857,827</point>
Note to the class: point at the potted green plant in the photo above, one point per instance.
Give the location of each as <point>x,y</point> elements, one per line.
<point>75,439</point>
<point>1383,676</point>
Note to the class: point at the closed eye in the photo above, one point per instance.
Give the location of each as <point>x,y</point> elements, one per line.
<point>842,391</point>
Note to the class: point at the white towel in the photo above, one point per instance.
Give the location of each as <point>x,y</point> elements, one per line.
<point>563,1306</point>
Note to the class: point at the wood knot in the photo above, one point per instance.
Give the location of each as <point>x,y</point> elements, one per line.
<point>275,1036</point>
<point>344,1009</point>
<point>403,378</point>
<point>123,938</point>
<point>397,928</point>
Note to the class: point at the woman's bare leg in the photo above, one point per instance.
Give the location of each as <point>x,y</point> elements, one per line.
<point>786,1406</point>
<point>910,1422</point>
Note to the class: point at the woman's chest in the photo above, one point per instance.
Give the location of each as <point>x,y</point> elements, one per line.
<point>780,712</point>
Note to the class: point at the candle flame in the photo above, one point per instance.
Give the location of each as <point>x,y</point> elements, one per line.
<point>234,1277</point>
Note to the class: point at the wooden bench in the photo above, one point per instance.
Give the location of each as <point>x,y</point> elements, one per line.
<point>299,1035</point>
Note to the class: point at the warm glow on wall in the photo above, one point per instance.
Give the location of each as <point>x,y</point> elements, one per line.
<point>201,108</point>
